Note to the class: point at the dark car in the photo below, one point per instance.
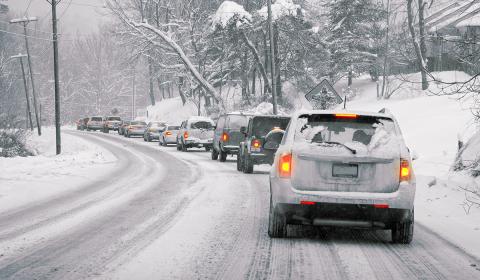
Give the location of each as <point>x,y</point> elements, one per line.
<point>80,124</point>
<point>122,127</point>
<point>252,150</point>
<point>153,131</point>
<point>227,136</point>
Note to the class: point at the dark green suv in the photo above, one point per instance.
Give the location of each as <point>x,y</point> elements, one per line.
<point>252,150</point>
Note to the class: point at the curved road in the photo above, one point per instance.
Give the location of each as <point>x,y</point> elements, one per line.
<point>164,214</point>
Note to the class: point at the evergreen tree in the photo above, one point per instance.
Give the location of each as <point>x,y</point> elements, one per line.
<point>356,29</point>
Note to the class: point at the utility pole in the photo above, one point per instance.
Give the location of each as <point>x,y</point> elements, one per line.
<point>25,21</point>
<point>272,58</point>
<point>133,94</point>
<point>54,4</point>
<point>29,112</point>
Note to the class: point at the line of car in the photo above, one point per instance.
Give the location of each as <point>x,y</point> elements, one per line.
<point>329,168</point>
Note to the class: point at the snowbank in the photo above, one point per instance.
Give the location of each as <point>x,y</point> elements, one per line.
<point>468,157</point>
<point>27,179</point>
<point>431,125</point>
<point>229,10</point>
<point>172,111</point>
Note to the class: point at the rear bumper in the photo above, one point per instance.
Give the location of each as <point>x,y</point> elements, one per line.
<point>135,132</point>
<point>343,215</point>
<point>170,139</point>
<point>230,149</point>
<point>283,192</point>
<point>261,158</point>
<point>96,127</point>
<point>195,142</point>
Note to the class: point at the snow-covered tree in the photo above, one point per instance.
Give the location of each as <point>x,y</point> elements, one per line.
<point>356,30</point>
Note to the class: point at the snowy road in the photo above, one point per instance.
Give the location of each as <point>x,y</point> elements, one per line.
<point>164,214</point>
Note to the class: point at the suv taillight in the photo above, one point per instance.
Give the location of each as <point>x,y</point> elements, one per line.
<point>168,133</point>
<point>256,145</point>
<point>225,137</point>
<point>405,172</point>
<point>185,135</point>
<point>285,166</point>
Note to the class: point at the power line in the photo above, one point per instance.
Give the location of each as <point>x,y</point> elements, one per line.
<point>28,7</point>
<point>28,36</point>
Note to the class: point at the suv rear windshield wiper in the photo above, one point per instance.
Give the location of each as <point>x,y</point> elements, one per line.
<point>340,144</point>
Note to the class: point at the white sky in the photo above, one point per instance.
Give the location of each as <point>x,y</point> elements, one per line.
<point>76,16</point>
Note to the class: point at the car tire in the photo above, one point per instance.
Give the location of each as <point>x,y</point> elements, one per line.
<point>239,163</point>
<point>277,223</point>
<point>184,148</point>
<point>128,135</point>
<point>223,156</point>
<point>402,232</point>
<point>179,148</point>
<point>148,138</point>
<point>247,165</point>
<point>214,154</point>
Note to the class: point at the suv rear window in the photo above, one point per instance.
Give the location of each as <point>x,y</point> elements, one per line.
<point>201,125</point>
<point>237,121</point>
<point>114,119</point>
<point>96,119</point>
<point>261,126</point>
<point>329,128</point>
<point>173,127</point>
<point>138,123</point>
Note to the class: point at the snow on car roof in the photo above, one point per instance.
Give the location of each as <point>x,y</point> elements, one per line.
<point>332,112</point>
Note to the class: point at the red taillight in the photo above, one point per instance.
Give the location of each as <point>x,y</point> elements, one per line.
<point>285,166</point>
<point>185,135</point>
<point>404,170</point>
<point>381,206</point>
<point>346,116</point>
<point>225,137</point>
<point>168,133</point>
<point>303,202</point>
<point>256,143</point>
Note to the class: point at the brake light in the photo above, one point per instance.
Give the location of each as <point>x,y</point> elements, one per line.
<point>225,137</point>
<point>256,143</point>
<point>304,202</point>
<point>404,170</point>
<point>168,133</point>
<point>346,116</point>
<point>185,135</point>
<point>285,166</point>
<point>381,206</point>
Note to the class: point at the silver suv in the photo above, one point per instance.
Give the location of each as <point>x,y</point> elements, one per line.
<point>196,132</point>
<point>345,169</point>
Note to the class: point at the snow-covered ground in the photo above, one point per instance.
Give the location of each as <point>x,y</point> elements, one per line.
<point>431,126</point>
<point>24,180</point>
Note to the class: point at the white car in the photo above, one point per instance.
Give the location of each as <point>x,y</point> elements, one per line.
<point>345,169</point>
<point>196,132</point>
<point>169,135</point>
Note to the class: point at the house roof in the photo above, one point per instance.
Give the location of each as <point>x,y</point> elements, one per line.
<point>452,15</point>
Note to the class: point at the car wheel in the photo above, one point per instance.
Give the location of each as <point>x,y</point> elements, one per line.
<point>402,232</point>
<point>247,165</point>
<point>184,147</point>
<point>214,154</point>
<point>223,156</point>
<point>277,223</point>
<point>128,135</point>
<point>179,148</point>
<point>239,163</point>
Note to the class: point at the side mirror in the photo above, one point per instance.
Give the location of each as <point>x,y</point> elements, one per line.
<point>243,130</point>
<point>273,139</point>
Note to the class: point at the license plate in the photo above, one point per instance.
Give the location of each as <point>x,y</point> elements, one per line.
<point>345,170</point>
